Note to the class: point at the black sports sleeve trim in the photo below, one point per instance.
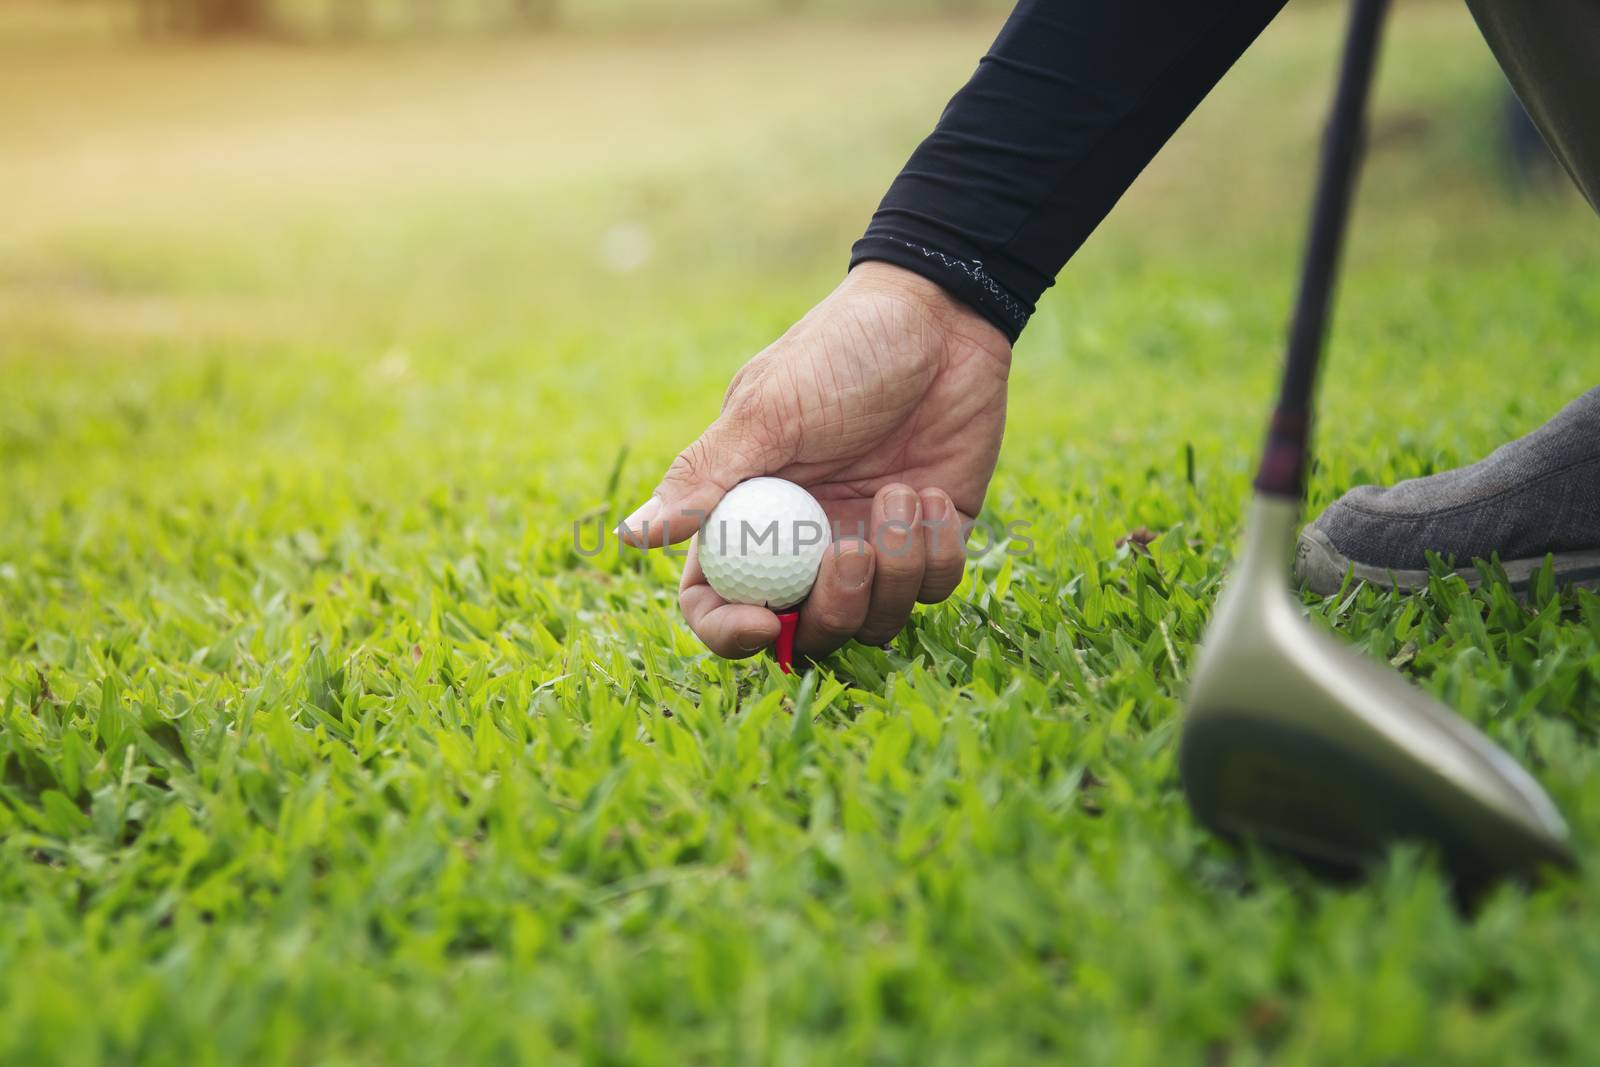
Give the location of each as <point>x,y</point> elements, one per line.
<point>1071,102</point>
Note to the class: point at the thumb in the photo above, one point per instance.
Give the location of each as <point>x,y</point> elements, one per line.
<point>729,452</point>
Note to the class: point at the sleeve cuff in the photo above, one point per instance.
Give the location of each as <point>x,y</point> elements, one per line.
<point>965,279</point>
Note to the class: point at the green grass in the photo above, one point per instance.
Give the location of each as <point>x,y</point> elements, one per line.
<point>319,742</point>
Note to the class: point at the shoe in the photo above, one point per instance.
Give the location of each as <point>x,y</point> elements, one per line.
<point>1537,497</point>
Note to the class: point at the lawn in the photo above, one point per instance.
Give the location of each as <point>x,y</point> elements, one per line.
<point>323,742</point>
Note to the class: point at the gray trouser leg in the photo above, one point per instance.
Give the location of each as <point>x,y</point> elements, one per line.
<point>1550,50</point>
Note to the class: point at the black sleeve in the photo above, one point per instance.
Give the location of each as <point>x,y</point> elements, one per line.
<point>1070,103</point>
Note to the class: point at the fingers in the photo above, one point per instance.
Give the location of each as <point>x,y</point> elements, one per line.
<point>911,548</point>
<point>733,448</point>
<point>944,544</point>
<point>901,562</point>
<point>838,603</point>
<point>732,631</point>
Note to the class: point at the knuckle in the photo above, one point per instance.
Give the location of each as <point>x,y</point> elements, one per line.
<point>835,620</point>
<point>737,386</point>
<point>894,590</point>
<point>747,435</point>
<point>941,580</point>
<point>744,406</point>
<point>900,559</point>
<point>750,383</point>
<point>881,629</point>
<point>690,464</point>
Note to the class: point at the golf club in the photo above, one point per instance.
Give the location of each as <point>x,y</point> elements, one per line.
<point>1292,739</point>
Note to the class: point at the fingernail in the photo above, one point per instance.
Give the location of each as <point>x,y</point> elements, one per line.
<point>632,528</point>
<point>753,641</point>
<point>901,507</point>
<point>855,567</point>
<point>936,508</point>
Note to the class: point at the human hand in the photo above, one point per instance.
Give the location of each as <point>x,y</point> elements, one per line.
<point>887,402</point>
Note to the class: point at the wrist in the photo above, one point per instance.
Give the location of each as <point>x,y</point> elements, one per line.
<point>947,311</point>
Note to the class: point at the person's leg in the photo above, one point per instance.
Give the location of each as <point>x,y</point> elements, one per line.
<point>1540,494</point>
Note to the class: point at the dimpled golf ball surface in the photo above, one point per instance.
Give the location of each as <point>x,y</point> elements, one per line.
<point>763,543</point>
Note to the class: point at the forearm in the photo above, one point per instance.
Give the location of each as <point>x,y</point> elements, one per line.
<point>1070,103</point>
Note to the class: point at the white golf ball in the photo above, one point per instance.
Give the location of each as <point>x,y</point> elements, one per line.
<point>763,543</point>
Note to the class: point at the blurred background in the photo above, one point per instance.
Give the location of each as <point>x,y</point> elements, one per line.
<point>382,237</point>
<point>312,19</point>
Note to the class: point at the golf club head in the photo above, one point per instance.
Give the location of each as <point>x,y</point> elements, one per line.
<point>1296,741</point>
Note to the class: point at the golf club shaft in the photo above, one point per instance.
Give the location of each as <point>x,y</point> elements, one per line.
<point>1283,466</point>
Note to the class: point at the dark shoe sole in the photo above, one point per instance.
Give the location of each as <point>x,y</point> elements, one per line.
<point>1323,568</point>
